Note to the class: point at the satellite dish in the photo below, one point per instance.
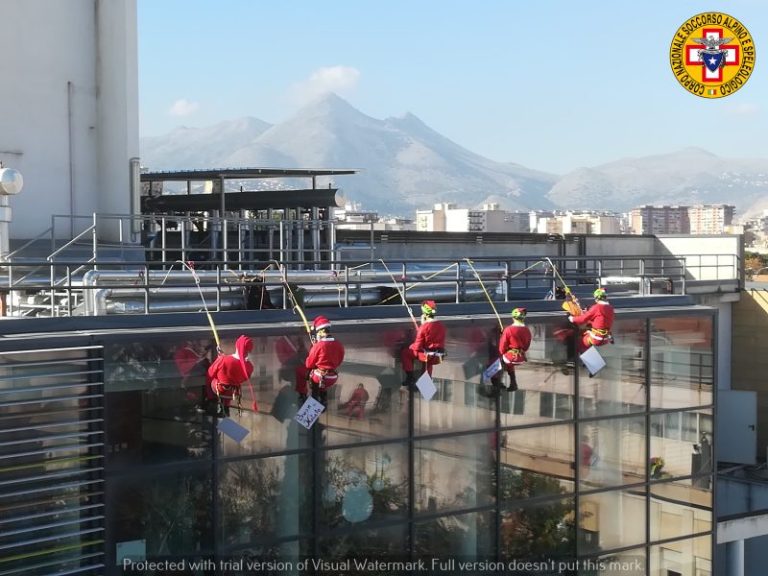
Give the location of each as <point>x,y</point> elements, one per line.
<point>11,181</point>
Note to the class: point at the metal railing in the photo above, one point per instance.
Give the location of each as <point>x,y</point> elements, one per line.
<point>293,251</point>
<point>107,287</point>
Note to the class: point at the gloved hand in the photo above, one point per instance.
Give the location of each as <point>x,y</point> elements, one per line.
<point>570,319</point>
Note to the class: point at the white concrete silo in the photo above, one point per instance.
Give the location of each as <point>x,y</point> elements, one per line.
<point>70,109</point>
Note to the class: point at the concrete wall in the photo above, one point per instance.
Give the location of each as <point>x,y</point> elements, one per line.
<point>707,257</point>
<point>70,102</point>
<point>749,353</point>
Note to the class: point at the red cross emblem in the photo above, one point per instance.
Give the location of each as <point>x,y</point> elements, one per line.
<point>731,56</point>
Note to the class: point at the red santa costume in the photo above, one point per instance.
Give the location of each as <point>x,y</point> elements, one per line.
<point>429,345</point>
<point>229,371</point>
<point>599,318</point>
<point>355,406</point>
<point>514,343</point>
<point>323,361</point>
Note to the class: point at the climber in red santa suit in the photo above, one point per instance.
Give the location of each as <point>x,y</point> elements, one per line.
<point>514,343</point>
<point>322,363</point>
<point>228,373</point>
<point>598,319</point>
<point>429,345</point>
<point>355,406</point>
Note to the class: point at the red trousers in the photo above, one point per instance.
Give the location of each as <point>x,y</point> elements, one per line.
<point>322,378</point>
<point>407,356</point>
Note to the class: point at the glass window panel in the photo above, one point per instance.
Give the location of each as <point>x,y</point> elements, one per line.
<point>689,556</point>
<point>547,405</point>
<point>390,543</point>
<point>513,402</point>
<point>625,563</point>
<point>673,519</point>
<point>171,511</point>
<point>263,498</point>
<point>455,406</point>
<point>684,492</point>
<point>537,462</point>
<point>288,551</point>
<point>610,520</point>
<point>619,388</point>
<point>539,530</point>
<point>616,452</point>
<point>464,536</point>
<point>139,430</point>
<point>365,484</point>
<point>455,473</point>
<point>681,361</point>
<point>682,453</point>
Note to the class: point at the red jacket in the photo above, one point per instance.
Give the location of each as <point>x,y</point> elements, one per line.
<point>599,316</point>
<point>227,369</point>
<point>516,336</point>
<point>326,354</point>
<point>431,336</point>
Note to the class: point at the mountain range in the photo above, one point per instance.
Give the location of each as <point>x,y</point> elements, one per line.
<point>405,165</point>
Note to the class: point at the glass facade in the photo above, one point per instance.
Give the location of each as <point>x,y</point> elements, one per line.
<point>595,472</point>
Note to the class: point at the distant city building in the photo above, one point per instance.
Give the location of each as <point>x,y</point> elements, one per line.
<point>698,219</point>
<point>518,221</point>
<point>577,223</point>
<point>352,217</point>
<point>660,220</point>
<point>447,217</point>
<point>710,219</point>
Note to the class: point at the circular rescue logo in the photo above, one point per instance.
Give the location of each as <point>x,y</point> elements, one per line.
<point>712,55</point>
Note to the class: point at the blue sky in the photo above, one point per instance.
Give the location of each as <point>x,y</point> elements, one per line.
<point>549,84</point>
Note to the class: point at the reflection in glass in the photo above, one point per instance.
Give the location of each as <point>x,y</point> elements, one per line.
<point>537,461</point>
<point>465,536</point>
<point>612,452</point>
<point>375,544</point>
<point>455,473</point>
<point>363,484</point>
<point>619,388</point>
<point>681,361</point>
<point>672,519</point>
<point>683,440</point>
<point>688,556</point>
<point>612,519</point>
<point>269,497</point>
<point>539,530</point>
<point>172,511</point>
<point>627,562</point>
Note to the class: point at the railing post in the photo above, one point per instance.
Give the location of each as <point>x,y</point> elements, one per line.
<point>69,291</point>
<point>685,275</point>
<point>641,269</point>
<point>458,282</point>
<point>405,290</point>
<point>162,240</point>
<point>507,281</point>
<point>183,238</point>
<point>146,289</point>
<point>346,286</point>
<point>95,239</point>
<point>218,288</point>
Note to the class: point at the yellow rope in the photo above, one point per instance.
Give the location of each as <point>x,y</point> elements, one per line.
<point>488,296</point>
<point>388,298</point>
<point>402,294</point>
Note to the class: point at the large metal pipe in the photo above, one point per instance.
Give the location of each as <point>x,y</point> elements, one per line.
<point>104,302</point>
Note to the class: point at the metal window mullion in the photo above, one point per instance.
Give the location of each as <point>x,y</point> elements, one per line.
<point>52,538</point>
<point>49,400</point>
<point>50,488</point>
<point>39,527</point>
<point>55,512</point>
<point>50,476</point>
